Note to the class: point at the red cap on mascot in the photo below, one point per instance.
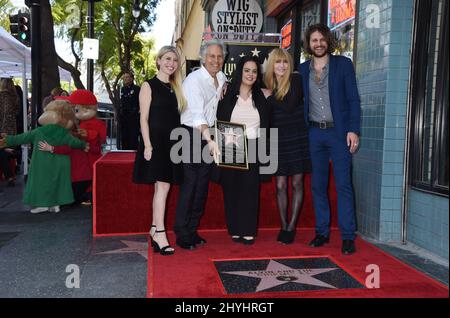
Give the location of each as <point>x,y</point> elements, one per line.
<point>83,97</point>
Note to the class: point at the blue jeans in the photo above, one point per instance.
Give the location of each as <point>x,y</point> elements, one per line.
<point>325,144</point>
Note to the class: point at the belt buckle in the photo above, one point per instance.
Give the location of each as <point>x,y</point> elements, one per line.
<point>323,125</point>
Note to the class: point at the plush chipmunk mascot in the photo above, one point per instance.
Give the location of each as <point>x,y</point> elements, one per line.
<point>48,185</point>
<point>91,129</point>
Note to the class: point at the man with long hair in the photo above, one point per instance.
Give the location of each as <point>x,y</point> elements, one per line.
<point>332,111</point>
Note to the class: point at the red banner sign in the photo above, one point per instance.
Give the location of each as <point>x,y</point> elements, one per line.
<point>286,37</point>
<point>340,11</point>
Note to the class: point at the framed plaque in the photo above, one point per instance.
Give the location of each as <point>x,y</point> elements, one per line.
<point>232,142</point>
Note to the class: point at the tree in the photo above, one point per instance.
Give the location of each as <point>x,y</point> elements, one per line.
<point>68,15</point>
<point>118,34</point>
<point>50,72</point>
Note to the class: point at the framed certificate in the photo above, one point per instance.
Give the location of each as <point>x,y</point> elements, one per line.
<point>232,142</point>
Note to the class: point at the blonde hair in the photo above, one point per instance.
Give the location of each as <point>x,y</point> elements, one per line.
<point>270,80</point>
<point>175,78</point>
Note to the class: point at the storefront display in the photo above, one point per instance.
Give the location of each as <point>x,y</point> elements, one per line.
<point>341,21</point>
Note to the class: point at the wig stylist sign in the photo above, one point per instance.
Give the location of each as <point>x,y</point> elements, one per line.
<point>237,16</point>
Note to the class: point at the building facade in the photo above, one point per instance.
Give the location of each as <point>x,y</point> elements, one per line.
<point>189,27</point>
<point>400,52</point>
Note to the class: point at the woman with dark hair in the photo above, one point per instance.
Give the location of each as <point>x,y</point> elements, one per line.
<point>244,103</point>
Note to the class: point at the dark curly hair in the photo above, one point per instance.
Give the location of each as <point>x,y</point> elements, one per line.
<point>237,75</point>
<point>325,31</point>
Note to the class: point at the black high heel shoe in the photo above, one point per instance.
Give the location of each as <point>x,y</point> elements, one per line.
<point>161,250</point>
<point>282,235</point>
<point>290,237</point>
<point>286,237</point>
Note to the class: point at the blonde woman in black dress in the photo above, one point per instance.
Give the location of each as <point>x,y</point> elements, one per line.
<point>161,101</point>
<point>294,161</point>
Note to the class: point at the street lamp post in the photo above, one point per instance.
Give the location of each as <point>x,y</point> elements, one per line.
<point>36,67</point>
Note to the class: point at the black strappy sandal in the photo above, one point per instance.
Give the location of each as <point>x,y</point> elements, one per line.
<point>161,250</point>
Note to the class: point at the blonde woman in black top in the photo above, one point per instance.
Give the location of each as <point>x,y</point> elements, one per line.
<point>286,99</point>
<point>161,102</point>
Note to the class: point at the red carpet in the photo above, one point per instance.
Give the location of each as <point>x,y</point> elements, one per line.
<point>191,274</point>
<point>123,208</point>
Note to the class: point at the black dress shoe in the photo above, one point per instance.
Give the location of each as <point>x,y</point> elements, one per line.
<point>319,240</point>
<point>348,247</point>
<point>286,237</point>
<point>197,239</point>
<point>247,241</point>
<point>236,239</point>
<point>187,245</point>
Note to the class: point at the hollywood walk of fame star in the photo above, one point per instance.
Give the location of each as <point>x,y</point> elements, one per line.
<point>255,52</point>
<point>231,137</point>
<point>278,274</point>
<point>132,247</point>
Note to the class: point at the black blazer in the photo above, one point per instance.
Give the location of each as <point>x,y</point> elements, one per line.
<point>225,110</point>
<point>227,104</point>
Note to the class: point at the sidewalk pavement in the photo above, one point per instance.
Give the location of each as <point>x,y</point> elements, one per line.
<point>40,253</point>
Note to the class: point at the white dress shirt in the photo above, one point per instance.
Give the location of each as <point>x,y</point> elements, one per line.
<point>202,98</point>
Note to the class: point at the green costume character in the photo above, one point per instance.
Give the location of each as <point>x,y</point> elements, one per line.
<point>49,182</point>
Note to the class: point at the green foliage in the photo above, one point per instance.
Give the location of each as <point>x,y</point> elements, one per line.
<point>144,60</point>
<point>68,87</point>
<point>121,47</point>
<point>5,9</point>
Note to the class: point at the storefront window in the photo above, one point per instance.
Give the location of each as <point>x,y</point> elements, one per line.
<point>429,153</point>
<point>341,21</point>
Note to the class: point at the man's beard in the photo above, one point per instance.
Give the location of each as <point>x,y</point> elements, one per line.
<point>325,52</point>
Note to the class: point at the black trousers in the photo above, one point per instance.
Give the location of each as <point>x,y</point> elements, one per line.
<point>129,130</point>
<point>192,196</point>
<point>241,191</point>
<point>79,190</point>
<point>4,164</point>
